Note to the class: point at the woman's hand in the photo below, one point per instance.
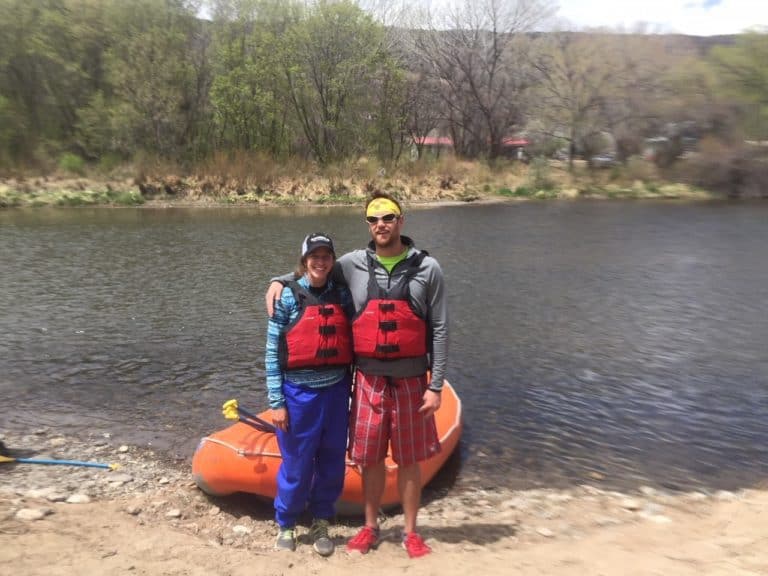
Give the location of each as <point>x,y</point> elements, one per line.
<point>280,418</point>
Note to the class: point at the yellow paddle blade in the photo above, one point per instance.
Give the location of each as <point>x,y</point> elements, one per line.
<point>229,409</point>
<point>7,459</point>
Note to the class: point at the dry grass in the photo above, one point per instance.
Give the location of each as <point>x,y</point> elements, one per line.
<point>247,178</point>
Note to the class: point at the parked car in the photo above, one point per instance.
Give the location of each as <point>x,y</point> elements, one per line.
<point>602,161</point>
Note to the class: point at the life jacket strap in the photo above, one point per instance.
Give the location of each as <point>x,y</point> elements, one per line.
<point>387,348</point>
<point>327,353</point>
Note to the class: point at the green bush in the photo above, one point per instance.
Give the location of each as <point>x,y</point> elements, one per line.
<point>72,163</point>
<point>73,199</point>
<point>108,162</point>
<point>519,192</point>
<point>539,174</point>
<point>125,197</point>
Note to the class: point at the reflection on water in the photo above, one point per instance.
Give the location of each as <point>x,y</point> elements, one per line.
<point>615,341</point>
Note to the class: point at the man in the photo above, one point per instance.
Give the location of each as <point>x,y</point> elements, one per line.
<point>400,331</point>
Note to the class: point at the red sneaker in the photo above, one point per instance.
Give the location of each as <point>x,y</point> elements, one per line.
<point>364,540</point>
<point>415,545</point>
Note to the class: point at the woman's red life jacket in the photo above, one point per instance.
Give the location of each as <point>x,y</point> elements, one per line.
<point>388,327</point>
<point>320,336</point>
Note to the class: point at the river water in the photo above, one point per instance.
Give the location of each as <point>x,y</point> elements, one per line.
<point>618,343</point>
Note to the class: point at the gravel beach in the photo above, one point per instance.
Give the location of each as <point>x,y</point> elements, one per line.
<point>148,517</point>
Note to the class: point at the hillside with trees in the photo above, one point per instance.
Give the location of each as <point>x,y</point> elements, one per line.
<point>247,91</point>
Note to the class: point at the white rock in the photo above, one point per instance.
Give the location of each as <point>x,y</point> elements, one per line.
<point>591,490</point>
<point>240,529</point>
<point>214,511</point>
<point>119,478</point>
<point>648,491</point>
<point>546,532</point>
<point>193,527</point>
<point>725,495</point>
<point>652,508</point>
<point>173,513</point>
<point>123,448</point>
<point>656,518</point>
<point>56,496</point>
<point>78,499</point>
<point>31,514</point>
<point>559,497</point>
<point>40,492</point>
<point>696,496</point>
<point>630,504</point>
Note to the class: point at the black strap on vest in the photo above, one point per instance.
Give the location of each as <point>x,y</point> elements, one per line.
<point>327,353</point>
<point>387,348</point>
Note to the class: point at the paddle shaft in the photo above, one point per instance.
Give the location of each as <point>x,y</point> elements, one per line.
<point>53,462</point>
<point>258,423</point>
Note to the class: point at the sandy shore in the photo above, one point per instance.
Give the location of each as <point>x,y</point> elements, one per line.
<point>148,518</point>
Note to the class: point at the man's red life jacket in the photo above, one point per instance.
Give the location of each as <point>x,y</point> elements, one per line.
<point>320,336</point>
<point>388,327</point>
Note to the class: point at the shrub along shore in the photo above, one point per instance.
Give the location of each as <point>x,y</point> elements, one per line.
<point>266,183</point>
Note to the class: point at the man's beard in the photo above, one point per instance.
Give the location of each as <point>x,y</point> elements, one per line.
<point>390,240</point>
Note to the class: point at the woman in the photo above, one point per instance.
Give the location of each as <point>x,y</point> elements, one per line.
<point>309,353</point>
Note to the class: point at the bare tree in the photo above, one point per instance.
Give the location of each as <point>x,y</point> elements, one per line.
<point>636,105</point>
<point>595,83</point>
<point>478,50</point>
<point>423,107</point>
<point>574,80</point>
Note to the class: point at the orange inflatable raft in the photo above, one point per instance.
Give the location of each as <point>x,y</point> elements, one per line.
<point>241,458</point>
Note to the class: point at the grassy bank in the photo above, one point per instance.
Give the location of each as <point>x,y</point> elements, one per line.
<point>261,181</point>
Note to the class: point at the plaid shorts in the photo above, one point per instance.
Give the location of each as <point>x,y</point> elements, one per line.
<point>384,410</point>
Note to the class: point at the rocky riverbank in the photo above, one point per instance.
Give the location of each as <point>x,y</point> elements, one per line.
<point>147,517</point>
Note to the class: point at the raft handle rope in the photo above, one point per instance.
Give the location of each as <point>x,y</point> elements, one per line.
<point>245,453</point>
<point>241,451</point>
